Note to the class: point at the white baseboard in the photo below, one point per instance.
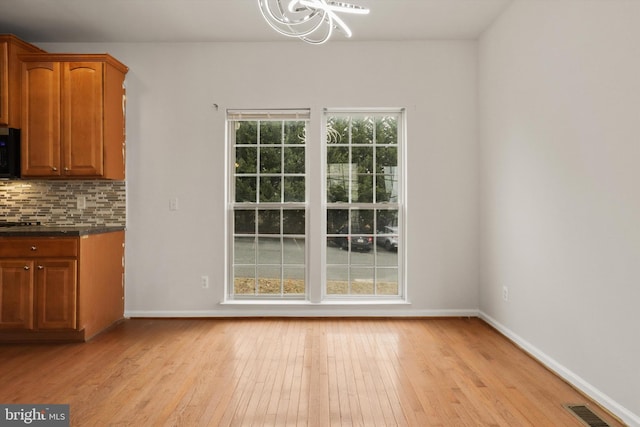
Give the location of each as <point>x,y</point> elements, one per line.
<point>576,381</point>
<point>300,310</point>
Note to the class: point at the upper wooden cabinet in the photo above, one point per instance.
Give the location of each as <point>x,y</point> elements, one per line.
<point>10,48</point>
<point>73,116</point>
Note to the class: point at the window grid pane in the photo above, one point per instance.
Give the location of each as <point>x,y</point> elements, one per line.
<point>269,161</point>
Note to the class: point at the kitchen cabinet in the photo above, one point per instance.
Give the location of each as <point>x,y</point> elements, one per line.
<point>60,288</point>
<point>16,294</point>
<point>10,78</point>
<point>73,116</point>
<point>38,294</point>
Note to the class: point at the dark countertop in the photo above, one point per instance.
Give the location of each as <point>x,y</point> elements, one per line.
<point>57,231</point>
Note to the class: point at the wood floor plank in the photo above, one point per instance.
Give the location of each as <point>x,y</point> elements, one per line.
<point>291,372</point>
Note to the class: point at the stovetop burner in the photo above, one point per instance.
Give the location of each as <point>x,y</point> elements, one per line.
<point>18,223</point>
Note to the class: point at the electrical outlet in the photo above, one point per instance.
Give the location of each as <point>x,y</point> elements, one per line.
<point>173,204</point>
<point>505,293</point>
<point>81,202</point>
<point>204,281</point>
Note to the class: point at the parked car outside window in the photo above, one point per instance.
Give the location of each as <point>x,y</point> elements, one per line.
<point>361,240</point>
<point>388,238</point>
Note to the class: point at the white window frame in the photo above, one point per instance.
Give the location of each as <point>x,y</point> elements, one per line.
<point>315,207</point>
<point>400,204</point>
<point>234,116</point>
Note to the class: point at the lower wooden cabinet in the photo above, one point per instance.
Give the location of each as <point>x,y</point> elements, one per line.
<point>38,294</point>
<point>60,288</point>
<point>16,294</point>
<point>55,294</point>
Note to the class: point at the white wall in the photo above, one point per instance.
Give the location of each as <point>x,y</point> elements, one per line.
<point>176,149</point>
<point>559,91</point>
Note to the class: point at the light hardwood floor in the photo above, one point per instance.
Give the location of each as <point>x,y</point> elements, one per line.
<point>298,372</point>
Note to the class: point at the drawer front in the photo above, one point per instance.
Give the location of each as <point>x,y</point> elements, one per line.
<point>20,247</point>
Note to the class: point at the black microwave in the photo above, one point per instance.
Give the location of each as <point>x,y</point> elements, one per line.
<point>9,153</point>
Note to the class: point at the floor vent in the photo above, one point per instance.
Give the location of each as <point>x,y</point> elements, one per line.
<point>585,415</point>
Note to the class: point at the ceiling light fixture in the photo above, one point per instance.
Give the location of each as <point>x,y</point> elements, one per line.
<point>312,21</point>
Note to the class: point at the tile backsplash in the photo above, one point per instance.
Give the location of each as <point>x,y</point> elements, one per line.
<point>56,202</point>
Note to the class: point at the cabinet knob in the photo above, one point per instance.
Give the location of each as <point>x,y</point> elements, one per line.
<point>55,169</point>
<point>26,267</point>
<point>34,248</point>
<point>66,169</point>
<point>40,267</point>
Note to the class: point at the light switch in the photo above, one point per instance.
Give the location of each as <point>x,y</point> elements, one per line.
<point>173,204</point>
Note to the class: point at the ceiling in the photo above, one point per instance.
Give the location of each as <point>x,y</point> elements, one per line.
<point>232,20</point>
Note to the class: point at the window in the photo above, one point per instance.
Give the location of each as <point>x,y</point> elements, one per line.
<point>268,203</point>
<point>363,201</point>
<point>343,242</point>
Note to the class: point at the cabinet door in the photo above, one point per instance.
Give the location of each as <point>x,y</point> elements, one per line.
<point>41,119</point>
<point>82,118</point>
<point>55,284</point>
<point>4,84</point>
<point>16,294</point>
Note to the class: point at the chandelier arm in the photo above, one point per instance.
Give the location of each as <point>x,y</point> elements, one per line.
<point>326,19</point>
<point>283,19</point>
<point>274,21</point>
<point>301,21</point>
<point>270,17</point>
<point>330,14</point>
<point>336,7</point>
<point>313,12</point>
<point>318,41</point>
<point>314,42</point>
<point>321,40</point>
<point>313,29</point>
<point>318,14</point>
<point>340,23</point>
